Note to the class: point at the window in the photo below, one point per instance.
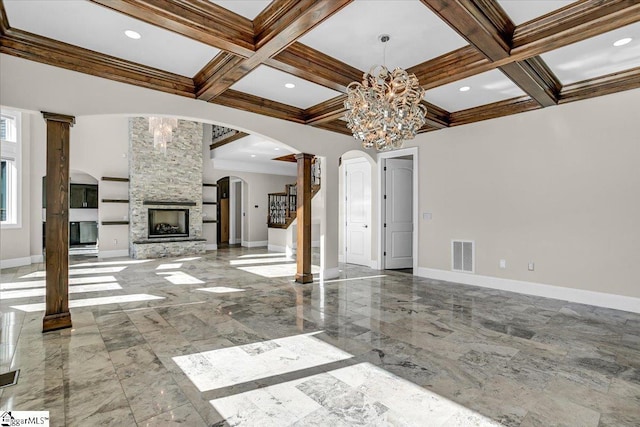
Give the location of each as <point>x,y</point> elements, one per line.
<point>9,168</point>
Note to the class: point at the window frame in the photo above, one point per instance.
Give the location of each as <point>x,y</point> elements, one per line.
<point>11,152</point>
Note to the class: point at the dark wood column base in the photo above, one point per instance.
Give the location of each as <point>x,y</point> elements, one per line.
<point>304,278</point>
<point>52,322</point>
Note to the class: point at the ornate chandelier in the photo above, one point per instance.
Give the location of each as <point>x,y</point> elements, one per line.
<point>385,108</point>
<point>162,130</point>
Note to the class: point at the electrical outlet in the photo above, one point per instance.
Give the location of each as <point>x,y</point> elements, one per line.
<point>531,266</point>
<point>503,263</point>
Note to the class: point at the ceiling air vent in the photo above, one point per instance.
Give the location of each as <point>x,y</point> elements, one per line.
<point>462,256</point>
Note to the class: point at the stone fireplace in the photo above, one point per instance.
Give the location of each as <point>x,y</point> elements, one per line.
<point>165,192</point>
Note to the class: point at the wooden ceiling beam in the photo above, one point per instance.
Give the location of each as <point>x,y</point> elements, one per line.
<point>604,85</point>
<point>450,67</point>
<point>482,23</point>
<point>255,104</point>
<point>52,52</point>
<point>487,27</point>
<point>338,126</point>
<point>327,111</point>
<point>310,64</point>
<point>573,23</point>
<point>200,20</point>
<point>535,78</point>
<point>273,34</point>
<point>494,110</point>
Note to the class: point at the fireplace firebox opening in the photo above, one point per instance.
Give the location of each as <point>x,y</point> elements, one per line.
<point>168,223</point>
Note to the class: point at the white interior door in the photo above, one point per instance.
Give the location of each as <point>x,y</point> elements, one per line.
<point>398,230</point>
<point>358,212</point>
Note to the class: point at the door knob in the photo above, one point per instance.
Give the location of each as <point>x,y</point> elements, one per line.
<point>365,226</point>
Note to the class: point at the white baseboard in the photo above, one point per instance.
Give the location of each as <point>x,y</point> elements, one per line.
<point>329,273</point>
<point>373,264</point>
<point>36,259</point>
<point>15,262</point>
<point>211,247</point>
<point>255,244</point>
<point>600,299</point>
<point>113,254</point>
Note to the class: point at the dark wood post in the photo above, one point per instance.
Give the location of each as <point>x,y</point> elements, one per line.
<point>57,315</point>
<point>303,214</point>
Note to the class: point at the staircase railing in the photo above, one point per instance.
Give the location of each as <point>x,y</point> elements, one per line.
<point>282,206</point>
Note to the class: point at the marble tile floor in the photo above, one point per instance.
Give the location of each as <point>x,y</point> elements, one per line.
<point>228,339</point>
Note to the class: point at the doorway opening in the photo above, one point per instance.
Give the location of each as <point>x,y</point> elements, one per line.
<point>231,214</point>
<point>398,210</point>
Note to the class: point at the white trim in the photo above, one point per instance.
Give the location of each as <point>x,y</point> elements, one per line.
<point>341,258</point>
<point>36,259</point>
<point>276,248</point>
<point>113,254</point>
<point>211,247</point>
<point>315,243</point>
<point>600,299</point>
<point>256,244</point>
<point>412,151</point>
<point>15,262</point>
<point>373,264</point>
<point>329,273</point>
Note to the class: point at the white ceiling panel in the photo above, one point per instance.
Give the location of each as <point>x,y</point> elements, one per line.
<point>596,56</point>
<point>247,8</point>
<point>99,29</point>
<point>521,11</point>
<point>351,36</point>
<point>269,83</point>
<point>253,153</point>
<point>485,88</point>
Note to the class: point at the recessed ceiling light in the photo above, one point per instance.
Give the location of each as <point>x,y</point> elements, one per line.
<point>277,149</point>
<point>132,34</point>
<point>289,85</point>
<point>464,88</point>
<point>253,155</point>
<point>622,42</point>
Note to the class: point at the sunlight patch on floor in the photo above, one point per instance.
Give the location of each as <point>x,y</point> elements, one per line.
<point>279,254</point>
<point>40,292</point>
<point>279,270</point>
<point>235,365</point>
<point>361,394</point>
<point>260,261</point>
<point>181,278</point>
<point>76,271</point>
<point>169,266</point>
<point>105,263</point>
<point>220,290</point>
<point>43,283</point>
<point>193,258</point>
<point>89,302</point>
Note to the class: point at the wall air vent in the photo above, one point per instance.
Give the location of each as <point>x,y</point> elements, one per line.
<point>463,256</point>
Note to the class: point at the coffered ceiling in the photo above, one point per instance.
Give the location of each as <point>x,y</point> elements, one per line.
<point>512,55</point>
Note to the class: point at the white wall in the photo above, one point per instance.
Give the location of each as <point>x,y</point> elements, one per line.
<point>559,187</point>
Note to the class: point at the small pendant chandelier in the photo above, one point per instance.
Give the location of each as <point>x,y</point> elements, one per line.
<point>385,109</point>
<point>162,130</point>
